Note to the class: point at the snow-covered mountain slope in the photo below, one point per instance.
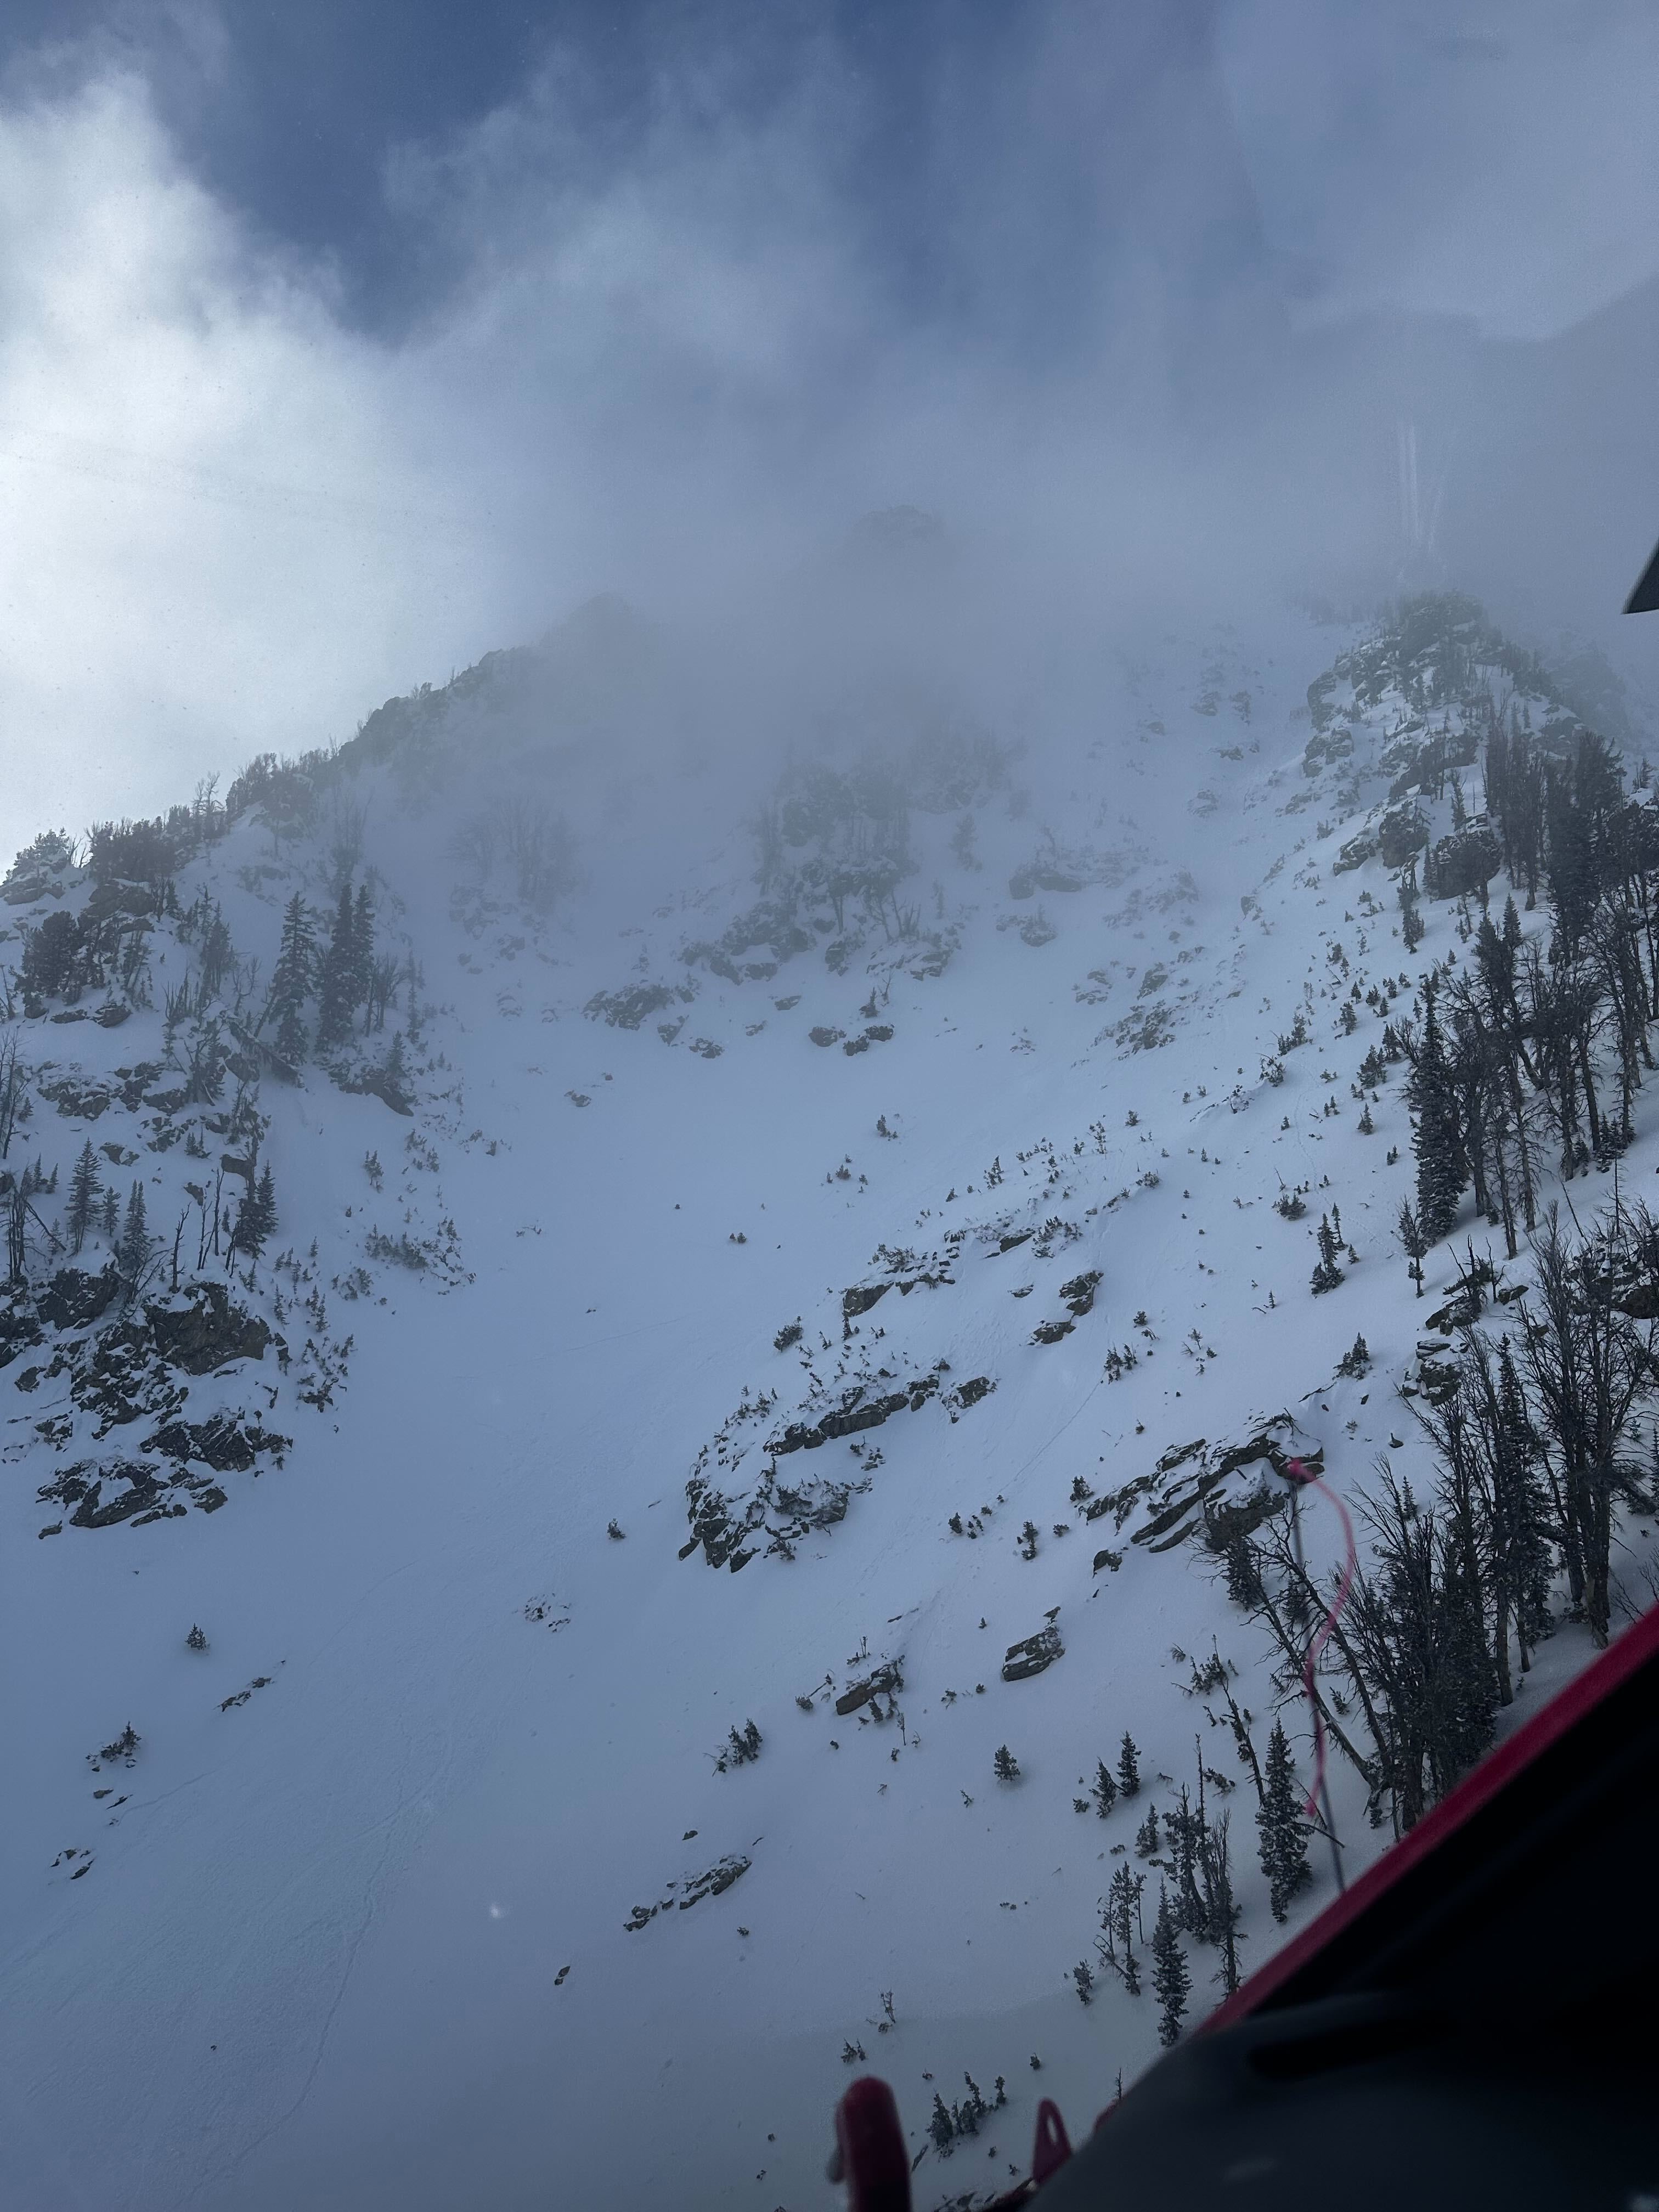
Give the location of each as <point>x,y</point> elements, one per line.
<point>788,1236</point>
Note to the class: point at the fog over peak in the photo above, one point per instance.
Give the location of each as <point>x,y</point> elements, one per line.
<point>325,373</point>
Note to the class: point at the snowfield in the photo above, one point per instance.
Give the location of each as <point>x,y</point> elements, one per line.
<point>431,1881</point>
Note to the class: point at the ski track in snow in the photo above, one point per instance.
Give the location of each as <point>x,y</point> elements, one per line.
<point>313,1960</point>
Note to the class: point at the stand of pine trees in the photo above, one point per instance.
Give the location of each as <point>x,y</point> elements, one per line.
<point>1527,1051</point>
<point>1534,1423</point>
<point>1196,1898</point>
<point>346,975</point>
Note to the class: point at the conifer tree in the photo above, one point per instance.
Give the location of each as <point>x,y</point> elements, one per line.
<point>363,952</point>
<point>1184,1828</point>
<point>1147,1839</point>
<point>1283,1831</point>
<point>1118,1925</point>
<point>972,2110</point>
<point>110,1215</point>
<point>1172,1979</point>
<point>217,955</point>
<point>1129,1768</point>
<point>82,1197</point>
<point>1006,1765</point>
<point>132,1253</point>
<point>1511,930</point>
<point>256,1217</point>
<point>291,982</point>
<point>1438,1138</point>
<point>1221,1910</point>
<point>338,983</point>
<point>264,1198</point>
<point>1521,1510</point>
<point>1104,1788</point>
<point>1326,1274</point>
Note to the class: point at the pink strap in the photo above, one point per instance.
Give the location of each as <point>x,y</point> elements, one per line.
<point>1052,2147</point>
<point>869,2149</point>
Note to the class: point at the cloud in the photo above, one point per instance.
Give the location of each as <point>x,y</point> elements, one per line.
<point>1465,159</point>
<point>673,359</point>
<point>223,526</point>
<point>675,352</point>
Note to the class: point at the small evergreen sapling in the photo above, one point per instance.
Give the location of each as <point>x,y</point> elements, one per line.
<point>1415,1242</point>
<point>123,1750</point>
<point>1104,1788</point>
<point>1004,1764</point>
<point>1129,1768</point>
<point>1147,1839</point>
<point>966,2116</point>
